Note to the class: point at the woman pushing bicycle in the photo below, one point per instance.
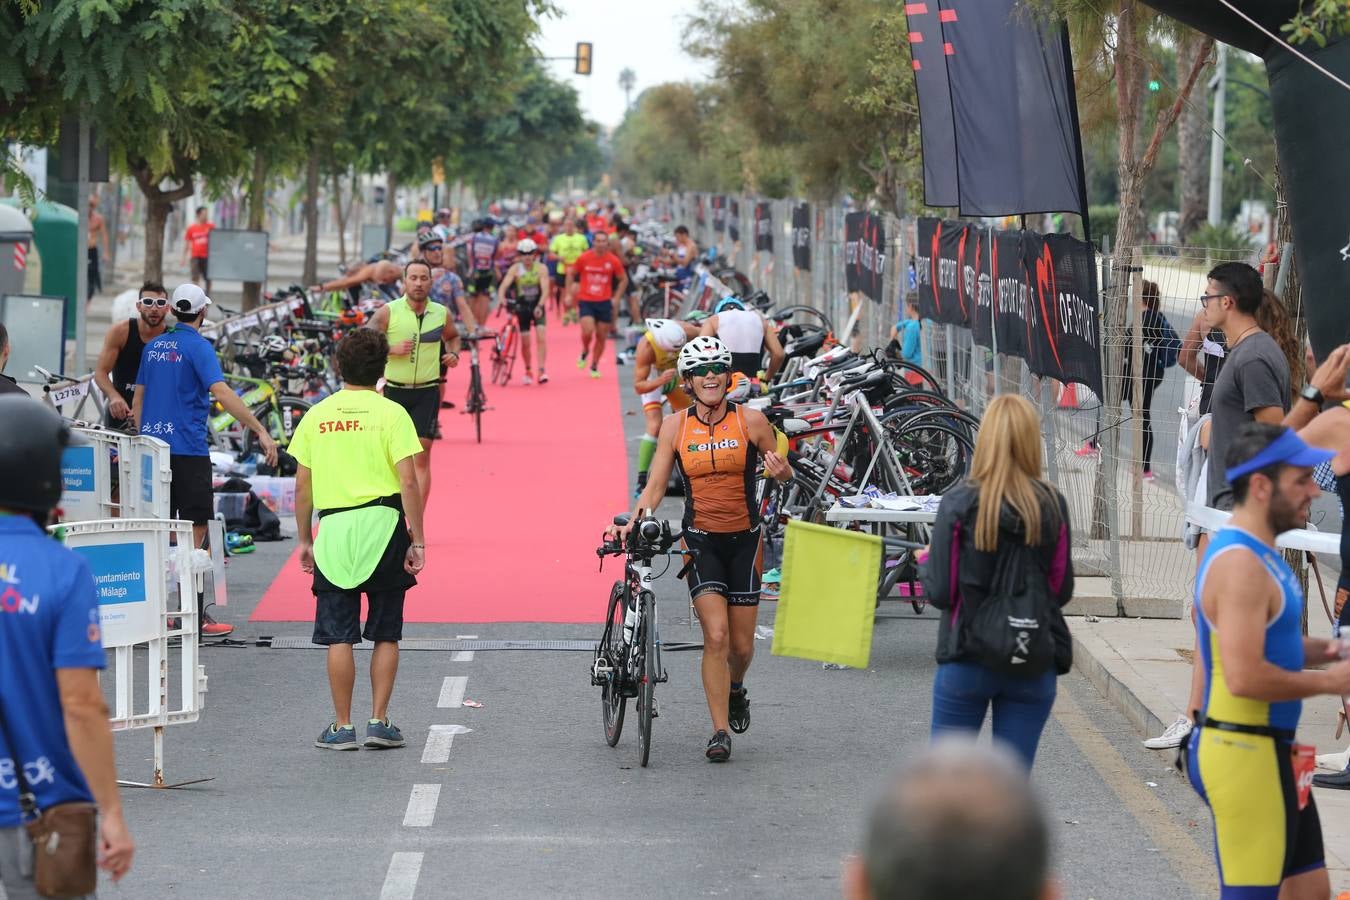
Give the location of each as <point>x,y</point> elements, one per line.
<point>717,447</point>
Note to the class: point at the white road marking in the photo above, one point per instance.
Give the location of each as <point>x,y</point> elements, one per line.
<point>400,882</point>
<point>452,691</point>
<point>461,656</point>
<point>439,739</point>
<point>422,805</point>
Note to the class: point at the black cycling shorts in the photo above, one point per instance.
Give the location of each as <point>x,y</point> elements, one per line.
<point>726,563</point>
<point>423,405</point>
<point>190,495</point>
<point>337,617</point>
<point>529,315</point>
<point>481,282</point>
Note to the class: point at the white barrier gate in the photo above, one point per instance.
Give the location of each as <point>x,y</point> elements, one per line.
<point>142,584</point>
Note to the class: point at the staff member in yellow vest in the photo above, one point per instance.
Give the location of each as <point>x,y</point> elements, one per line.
<point>356,453</point>
<point>422,337</point>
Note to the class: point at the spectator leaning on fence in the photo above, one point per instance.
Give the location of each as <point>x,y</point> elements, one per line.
<point>1003,526</point>
<point>53,718</point>
<point>958,821</point>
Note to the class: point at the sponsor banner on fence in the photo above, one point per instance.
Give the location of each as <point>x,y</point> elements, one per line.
<point>734,220</point>
<point>120,576</point>
<point>801,236</point>
<point>864,254</point>
<point>1033,296</point>
<point>763,227</point>
<point>719,213</point>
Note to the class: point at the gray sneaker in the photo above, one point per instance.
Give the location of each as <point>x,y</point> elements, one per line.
<point>335,738</point>
<point>383,735</point>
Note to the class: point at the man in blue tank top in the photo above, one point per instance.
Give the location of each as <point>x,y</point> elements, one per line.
<point>1242,757</point>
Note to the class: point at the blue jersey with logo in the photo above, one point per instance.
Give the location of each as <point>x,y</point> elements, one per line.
<point>177,371</point>
<point>48,621</point>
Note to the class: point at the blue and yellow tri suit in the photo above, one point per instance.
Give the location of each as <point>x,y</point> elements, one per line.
<point>1238,756</point>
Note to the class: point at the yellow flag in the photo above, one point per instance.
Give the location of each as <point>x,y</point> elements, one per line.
<point>829,595</point>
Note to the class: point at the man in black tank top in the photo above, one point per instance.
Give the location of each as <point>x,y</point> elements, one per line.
<point>120,359</point>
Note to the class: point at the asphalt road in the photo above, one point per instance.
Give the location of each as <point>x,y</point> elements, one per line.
<point>529,802</point>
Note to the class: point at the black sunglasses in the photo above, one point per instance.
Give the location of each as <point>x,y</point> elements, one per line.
<point>153,301</point>
<point>709,369</point>
<point>433,248</point>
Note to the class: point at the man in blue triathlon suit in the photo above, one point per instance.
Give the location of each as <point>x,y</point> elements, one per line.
<point>482,256</point>
<point>1242,756</point>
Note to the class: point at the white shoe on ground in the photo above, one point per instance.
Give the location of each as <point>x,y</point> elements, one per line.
<point>1170,739</point>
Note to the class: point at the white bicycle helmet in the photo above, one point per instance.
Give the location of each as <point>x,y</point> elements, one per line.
<point>527,246</point>
<point>275,344</point>
<point>701,351</point>
<point>667,334</point>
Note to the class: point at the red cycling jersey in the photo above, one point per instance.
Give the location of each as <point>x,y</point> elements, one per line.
<point>595,275</point>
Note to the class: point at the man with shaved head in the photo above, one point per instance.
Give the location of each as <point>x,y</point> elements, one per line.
<point>959,820</point>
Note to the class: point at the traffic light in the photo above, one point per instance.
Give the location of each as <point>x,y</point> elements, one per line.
<point>583,58</point>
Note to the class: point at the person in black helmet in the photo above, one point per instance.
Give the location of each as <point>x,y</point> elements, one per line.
<point>53,718</point>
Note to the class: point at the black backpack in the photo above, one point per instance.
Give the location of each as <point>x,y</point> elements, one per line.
<point>1012,630</point>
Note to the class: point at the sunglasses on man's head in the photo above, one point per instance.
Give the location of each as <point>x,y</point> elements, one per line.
<point>709,369</point>
<point>153,301</point>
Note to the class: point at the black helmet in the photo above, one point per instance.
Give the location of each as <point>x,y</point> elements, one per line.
<point>32,437</point>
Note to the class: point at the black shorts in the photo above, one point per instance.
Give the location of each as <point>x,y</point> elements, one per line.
<point>527,316</point>
<point>481,282</point>
<point>727,564</point>
<point>560,278</point>
<point>599,310</point>
<point>337,617</point>
<point>423,405</point>
<point>190,490</point>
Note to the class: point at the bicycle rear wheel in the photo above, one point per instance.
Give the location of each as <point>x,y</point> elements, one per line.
<point>612,701</point>
<point>499,358</point>
<point>512,348</point>
<point>647,675</point>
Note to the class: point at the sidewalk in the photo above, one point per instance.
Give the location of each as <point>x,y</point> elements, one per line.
<point>1143,667</point>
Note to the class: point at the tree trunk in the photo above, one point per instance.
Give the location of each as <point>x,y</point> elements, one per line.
<point>340,212</point>
<point>311,275</point>
<point>158,204</point>
<point>390,186</point>
<point>257,209</point>
<point>1193,137</point>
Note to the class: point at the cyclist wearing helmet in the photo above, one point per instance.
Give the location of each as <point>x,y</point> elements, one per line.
<point>655,380</point>
<point>717,446</point>
<point>747,334</point>
<point>567,247</point>
<point>442,226</point>
<point>525,282</point>
<point>482,252</point>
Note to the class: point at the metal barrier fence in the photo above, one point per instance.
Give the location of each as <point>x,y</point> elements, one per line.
<point>1128,546</point>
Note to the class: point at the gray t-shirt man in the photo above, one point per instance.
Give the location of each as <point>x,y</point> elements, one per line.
<point>1254,376</point>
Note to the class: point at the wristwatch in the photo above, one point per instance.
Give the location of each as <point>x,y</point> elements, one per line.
<point>1312,395</point>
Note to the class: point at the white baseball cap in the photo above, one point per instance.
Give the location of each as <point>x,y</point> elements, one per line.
<point>189,298</point>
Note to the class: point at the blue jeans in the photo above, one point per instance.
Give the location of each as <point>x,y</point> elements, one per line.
<point>963,691</point>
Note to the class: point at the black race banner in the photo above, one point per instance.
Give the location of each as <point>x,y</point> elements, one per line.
<point>1033,296</point>
<point>801,236</point>
<point>719,211</point>
<point>734,221</point>
<point>864,254</point>
<point>763,227</point>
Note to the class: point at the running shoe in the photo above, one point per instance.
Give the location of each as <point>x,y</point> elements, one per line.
<point>1150,477</point>
<point>774,575</point>
<point>595,373</point>
<point>641,484</point>
<point>527,380</point>
<point>447,404</point>
<point>581,361</point>
<point>543,377</point>
<point>335,738</point>
<point>719,747</point>
<point>382,735</point>
<point>739,711</point>
<point>1088,450</point>
<point>1173,737</point>
<point>213,629</point>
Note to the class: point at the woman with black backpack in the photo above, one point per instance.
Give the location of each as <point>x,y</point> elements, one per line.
<point>1000,570</point>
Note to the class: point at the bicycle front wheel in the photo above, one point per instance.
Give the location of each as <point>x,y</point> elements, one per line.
<point>612,700</point>
<point>647,675</point>
<point>477,400</point>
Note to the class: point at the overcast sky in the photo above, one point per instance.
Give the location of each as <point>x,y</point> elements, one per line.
<point>643,35</point>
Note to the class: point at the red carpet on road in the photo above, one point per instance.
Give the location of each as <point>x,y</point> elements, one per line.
<point>513,522</point>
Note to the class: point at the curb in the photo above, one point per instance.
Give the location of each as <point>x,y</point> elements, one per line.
<point>1107,670</point>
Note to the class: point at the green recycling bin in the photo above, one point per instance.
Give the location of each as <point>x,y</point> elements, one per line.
<point>56,235</point>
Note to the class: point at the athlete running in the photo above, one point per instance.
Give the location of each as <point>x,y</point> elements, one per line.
<point>656,380</point>
<point>747,335</point>
<point>594,274</point>
<point>716,446</point>
<point>525,281</point>
<point>567,247</point>
<point>1241,757</point>
<point>482,253</point>
<point>422,338</point>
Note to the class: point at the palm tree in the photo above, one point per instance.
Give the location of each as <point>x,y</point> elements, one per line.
<point>627,81</point>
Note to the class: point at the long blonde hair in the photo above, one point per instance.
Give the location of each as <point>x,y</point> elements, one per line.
<point>1007,468</point>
